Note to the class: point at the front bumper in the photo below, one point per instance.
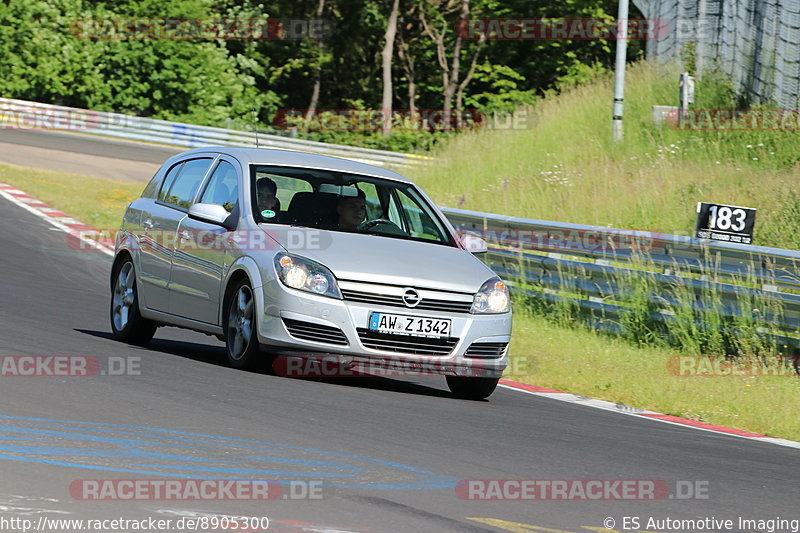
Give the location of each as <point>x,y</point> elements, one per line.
<point>301,324</point>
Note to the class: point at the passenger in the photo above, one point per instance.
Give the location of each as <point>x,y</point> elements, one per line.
<point>266,190</point>
<point>351,210</point>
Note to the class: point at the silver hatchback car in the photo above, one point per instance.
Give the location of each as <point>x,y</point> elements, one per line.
<point>281,253</point>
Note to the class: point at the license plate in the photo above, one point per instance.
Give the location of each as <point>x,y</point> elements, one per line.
<point>409,325</point>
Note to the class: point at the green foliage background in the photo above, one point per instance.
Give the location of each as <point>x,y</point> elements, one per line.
<point>223,82</point>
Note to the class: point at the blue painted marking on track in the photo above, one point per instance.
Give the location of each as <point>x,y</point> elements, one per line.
<point>176,438</point>
<point>88,452</point>
<point>305,462</point>
<point>126,442</point>
<point>85,437</point>
<point>248,471</point>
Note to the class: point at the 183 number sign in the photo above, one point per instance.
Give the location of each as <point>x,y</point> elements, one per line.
<point>728,223</point>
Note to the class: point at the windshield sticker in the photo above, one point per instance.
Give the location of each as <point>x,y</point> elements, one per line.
<point>267,213</point>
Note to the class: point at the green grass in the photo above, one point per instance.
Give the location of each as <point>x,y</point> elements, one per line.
<point>566,167</point>
<point>98,202</point>
<point>596,365</point>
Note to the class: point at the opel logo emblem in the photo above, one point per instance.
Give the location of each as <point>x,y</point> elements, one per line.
<point>411,298</point>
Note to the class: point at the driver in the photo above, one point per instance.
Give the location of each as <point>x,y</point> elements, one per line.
<point>351,210</point>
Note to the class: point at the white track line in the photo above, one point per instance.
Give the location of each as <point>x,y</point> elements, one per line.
<point>643,413</point>
<point>54,217</point>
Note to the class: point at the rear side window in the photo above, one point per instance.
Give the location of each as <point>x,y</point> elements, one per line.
<point>183,188</point>
<point>152,187</point>
<point>172,173</point>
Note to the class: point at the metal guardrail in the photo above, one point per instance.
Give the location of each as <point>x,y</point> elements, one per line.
<point>591,267</point>
<point>22,114</point>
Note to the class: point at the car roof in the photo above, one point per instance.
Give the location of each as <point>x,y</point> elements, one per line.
<point>265,156</point>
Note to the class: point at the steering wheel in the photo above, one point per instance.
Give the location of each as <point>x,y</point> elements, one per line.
<point>369,224</point>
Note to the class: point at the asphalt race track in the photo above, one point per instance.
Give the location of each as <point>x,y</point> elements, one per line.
<point>83,154</point>
<point>374,454</point>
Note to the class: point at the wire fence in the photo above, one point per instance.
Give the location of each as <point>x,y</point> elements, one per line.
<point>756,43</point>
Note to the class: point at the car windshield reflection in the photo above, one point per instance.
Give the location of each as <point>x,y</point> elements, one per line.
<point>339,201</point>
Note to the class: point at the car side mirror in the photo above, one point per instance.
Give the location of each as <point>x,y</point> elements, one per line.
<point>213,214</point>
<point>474,243</point>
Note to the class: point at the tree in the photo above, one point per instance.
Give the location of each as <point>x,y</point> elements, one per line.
<point>386,60</point>
<point>312,104</point>
<point>407,59</point>
<point>439,30</point>
<point>375,52</point>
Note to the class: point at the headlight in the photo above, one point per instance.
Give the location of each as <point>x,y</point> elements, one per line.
<point>491,298</point>
<point>306,275</point>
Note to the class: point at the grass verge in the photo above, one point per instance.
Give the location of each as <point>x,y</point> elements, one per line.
<point>565,167</point>
<point>584,362</point>
<point>98,202</point>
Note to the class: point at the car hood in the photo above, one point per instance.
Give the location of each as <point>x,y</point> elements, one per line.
<point>378,259</point>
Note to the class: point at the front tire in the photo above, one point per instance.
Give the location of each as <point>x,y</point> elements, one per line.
<point>468,388</point>
<point>127,323</point>
<point>241,340</point>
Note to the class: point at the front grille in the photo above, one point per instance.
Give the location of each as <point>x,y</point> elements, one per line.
<point>406,343</point>
<point>308,331</point>
<point>427,304</point>
<point>486,349</point>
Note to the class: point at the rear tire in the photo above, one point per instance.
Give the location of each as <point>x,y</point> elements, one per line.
<point>467,388</point>
<point>127,323</point>
<point>241,338</point>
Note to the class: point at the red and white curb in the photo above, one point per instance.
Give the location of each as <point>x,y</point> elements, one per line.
<point>635,411</point>
<point>90,238</point>
<point>93,239</point>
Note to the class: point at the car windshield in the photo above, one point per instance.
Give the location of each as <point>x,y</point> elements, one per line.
<point>340,201</point>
